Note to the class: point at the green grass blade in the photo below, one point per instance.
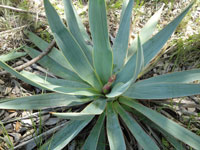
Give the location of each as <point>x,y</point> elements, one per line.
<point>175,77</point>
<point>120,89</point>
<point>93,138</point>
<point>162,90</point>
<point>42,101</point>
<point>12,55</point>
<point>75,30</point>
<point>166,124</point>
<point>96,107</point>
<point>114,132</point>
<point>121,42</point>
<point>102,54</point>
<point>60,85</point>
<point>65,135</point>
<point>54,54</point>
<point>147,31</point>
<point>141,136</point>
<point>70,48</point>
<point>152,47</point>
<point>53,66</point>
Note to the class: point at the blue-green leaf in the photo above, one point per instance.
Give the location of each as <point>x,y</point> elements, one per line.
<point>114,132</point>
<point>72,87</point>
<point>162,90</point>
<point>175,77</point>
<point>102,54</point>
<point>152,47</point>
<point>70,48</point>
<point>166,124</point>
<point>124,6</point>
<point>96,107</point>
<point>176,143</point>
<point>65,135</point>
<point>12,55</point>
<point>41,102</point>
<point>81,27</point>
<point>141,136</point>
<point>54,54</point>
<point>93,138</point>
<point>53,66</point>
<point>60,85</point>
<point>75,30</point>
<point>146,32</point>
<point>121,42</point>
<point>120,88</point>
<point>102,140</point>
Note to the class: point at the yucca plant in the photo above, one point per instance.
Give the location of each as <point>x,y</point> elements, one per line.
<point>104,80</point>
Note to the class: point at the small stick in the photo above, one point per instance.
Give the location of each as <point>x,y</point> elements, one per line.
<point>21,10</point>
<point>12,30</point>
<point>21,67</point>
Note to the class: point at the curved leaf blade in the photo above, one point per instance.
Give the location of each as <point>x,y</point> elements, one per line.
<point>124,6</point>
<point>121,42</point>
<point>53,66</point>
<point>162,90</point>
<point>54,54</point>
<point>141,136</point>
<point>60,85</point>
<point>75,30</point>
<point>43,85</point>
<point>176,143</point>
<point>152,47</point>
<point>166,124</point>
<point>91,142</point>
<point>81,26</point>
<point>12,55</point>
<point>65,135</point>
<point>96,108</point>
<point>102,54</point>
<point>114,132</point>
<point>120,89</point>
<point>42,101</point>
<point>175,77</point>
<point>146,32</point>
<point>70,48</point>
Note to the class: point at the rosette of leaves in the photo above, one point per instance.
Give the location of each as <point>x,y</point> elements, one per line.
<point>103,79</point>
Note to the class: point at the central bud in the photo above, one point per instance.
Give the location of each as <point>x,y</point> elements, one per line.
<point>107,87</point>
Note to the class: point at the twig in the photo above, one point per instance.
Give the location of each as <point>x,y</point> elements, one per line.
<point>35,66</point>
<point>19,68</point>
<point>21,10</point>
<point>14,29</point>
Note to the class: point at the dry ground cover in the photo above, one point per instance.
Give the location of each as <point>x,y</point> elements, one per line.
<point>28,129</point>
